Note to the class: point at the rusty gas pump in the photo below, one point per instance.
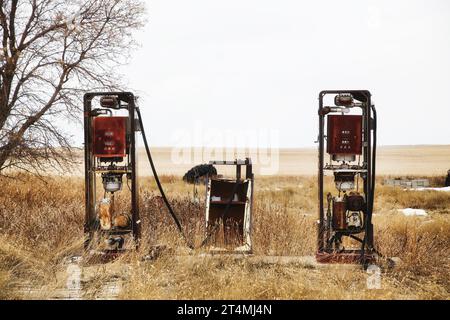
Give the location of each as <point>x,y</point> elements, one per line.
<point>111,161</point>
<point>345,214</point>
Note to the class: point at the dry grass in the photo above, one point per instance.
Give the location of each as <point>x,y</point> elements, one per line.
<point>41,225</point>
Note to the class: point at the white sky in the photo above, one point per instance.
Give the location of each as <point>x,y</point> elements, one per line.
<point>259,65</point>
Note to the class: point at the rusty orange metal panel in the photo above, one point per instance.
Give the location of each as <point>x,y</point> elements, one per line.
<point>339,220</point>
<point>109,138</point>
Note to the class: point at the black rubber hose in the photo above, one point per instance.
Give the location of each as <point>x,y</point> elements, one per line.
<point>155,175</point>
<point>163,195</point>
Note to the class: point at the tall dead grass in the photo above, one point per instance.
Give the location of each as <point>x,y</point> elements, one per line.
<point>42,223</point>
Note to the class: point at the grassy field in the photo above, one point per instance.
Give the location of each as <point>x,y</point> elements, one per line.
<point>391,160</point>
<point>41,225</point>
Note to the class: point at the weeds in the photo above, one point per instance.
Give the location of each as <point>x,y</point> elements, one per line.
<point>42,223</point>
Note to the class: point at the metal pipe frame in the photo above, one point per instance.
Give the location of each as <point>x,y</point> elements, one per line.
<point>90,226</point>
<point>324,232</point>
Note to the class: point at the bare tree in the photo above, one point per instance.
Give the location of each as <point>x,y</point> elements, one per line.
<point>52,52</point>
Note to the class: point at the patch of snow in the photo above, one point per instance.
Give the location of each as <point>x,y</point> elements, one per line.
<point>413,212</point>
<point>443,189</point>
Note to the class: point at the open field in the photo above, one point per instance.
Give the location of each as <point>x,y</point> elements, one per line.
<point>391,160</point>
<point>41,228</point>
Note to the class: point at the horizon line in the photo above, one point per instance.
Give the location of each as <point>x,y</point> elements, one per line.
<point>280,148</point>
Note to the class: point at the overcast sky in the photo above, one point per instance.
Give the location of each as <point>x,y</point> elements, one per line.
<point>206,67</point>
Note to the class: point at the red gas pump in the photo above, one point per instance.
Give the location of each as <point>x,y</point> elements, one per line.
<point>350,142</point>
<point>110,155</point>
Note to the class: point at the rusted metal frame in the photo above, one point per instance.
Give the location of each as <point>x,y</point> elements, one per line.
<point>134,181</point>
<point>320,228</point>
<point>367,159</point>
<point>89,183</point>
<point>90,178</point>
<point>249,169</point>
<point>368,234</point>
<point>349,256</point>
<point>248,174</point>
